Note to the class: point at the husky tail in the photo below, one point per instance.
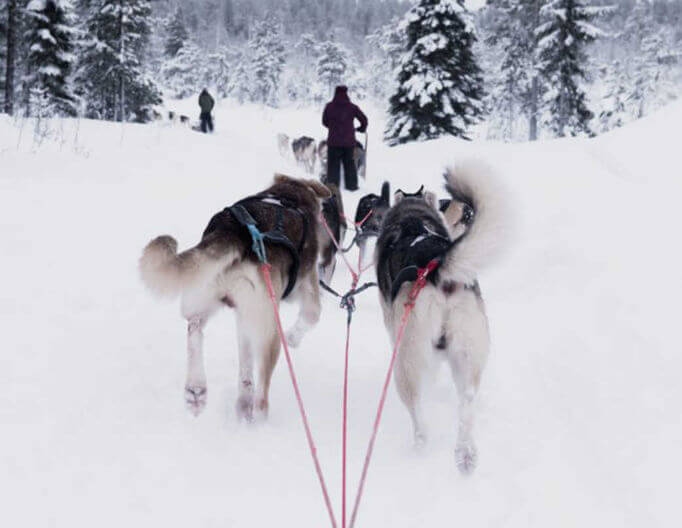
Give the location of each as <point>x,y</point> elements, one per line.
<point>167,273</point>
<point>475,183</point>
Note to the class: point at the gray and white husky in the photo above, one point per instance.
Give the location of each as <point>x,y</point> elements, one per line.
<point>222,270</point>
<point>449,319</point>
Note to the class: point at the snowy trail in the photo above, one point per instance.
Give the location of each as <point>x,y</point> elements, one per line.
<point>579,416</point>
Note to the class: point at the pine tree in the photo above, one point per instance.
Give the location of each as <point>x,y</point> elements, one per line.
<point>10,55</point>
<point>387,45</point>
<point>176,34</point>
<point>652,54</point>
<point>218,71</point>
<point>517,86</point>
<point>614,113</point>
<point>332,64</point>
<point>267,60</point>
<point>240,83</point>
<point>112,77</point>
<point>563,39</point>
<point>301,77</point>
<point>3,58</point>
<point>182,74</point>
<point>51,57</point>
<point>510,70</point>
<point>440,88</point>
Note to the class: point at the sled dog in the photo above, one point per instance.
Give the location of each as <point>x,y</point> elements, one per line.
<point>371,211</point>
<point>304,150</point>
<point>332,210</point>
<point>360,158</point>
<point>223,270</point>
<point>322,155</point>
<point>283,142</point>
<point>449,318</point>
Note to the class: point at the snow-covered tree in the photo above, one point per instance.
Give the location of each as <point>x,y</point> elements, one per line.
<point>440,88</point>
<point>10,55</point>
<point>3,58</point>
<point>386,46</point>
<point>50,61</point>
<point>267,61</point>
<point>182,74</point>
<point>306,47</point>
<point>510,70</point>
<point>240,81</point>
<point>112,75</point>
<point>512,73</point>
<point>218,71</point>
<point>176,33</point>
<point>332,64</point>
<point>653,52</point>
<point>614,113</point>
<point>563,39</point>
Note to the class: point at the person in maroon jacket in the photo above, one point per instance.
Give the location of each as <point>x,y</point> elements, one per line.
<point>339,117</point>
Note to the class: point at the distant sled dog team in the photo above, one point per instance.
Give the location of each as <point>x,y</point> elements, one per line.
<point>460,236</point>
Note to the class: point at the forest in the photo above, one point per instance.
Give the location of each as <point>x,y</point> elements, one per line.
<point>539,68</point>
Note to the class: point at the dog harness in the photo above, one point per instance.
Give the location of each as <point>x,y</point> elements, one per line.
<point>421,247</point>
<point>275,236</point>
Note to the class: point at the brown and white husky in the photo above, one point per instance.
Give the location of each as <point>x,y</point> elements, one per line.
<point>222,270</point>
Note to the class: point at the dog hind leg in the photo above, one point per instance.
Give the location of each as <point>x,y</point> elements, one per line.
<point>195,387</point>
<point>409,371</point>
<point>268,360</point>
<point>467,379</point>
<point>258,346</point>
<point>245,385</point>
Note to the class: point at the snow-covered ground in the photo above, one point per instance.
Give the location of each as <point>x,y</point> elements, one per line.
<point>579,414</point>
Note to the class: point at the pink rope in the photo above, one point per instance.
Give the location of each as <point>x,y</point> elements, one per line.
<point>355,275</point>
<point>345,415</point>
<point>311,443</point>
<point>356,279</point>
<point>412,298</point>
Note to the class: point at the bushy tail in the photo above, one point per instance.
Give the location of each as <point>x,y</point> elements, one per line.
<point>386,193</point>
<point>475,182</point>
<point>167,273</point>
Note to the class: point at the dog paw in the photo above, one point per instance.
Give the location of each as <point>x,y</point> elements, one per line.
<point>466,458</point>
<point>195,398</point>
<point>245,408</point>
<point>260,411</point>
<point>419,440</point>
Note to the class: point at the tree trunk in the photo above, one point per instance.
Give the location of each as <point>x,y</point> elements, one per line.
<point>535,88</point>
<point>11,52</point>
<point>121,102</point>
<point>534,110</point>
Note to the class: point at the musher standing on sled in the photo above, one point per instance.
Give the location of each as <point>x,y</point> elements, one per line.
<point>206,103</point>
<point>339,116</point>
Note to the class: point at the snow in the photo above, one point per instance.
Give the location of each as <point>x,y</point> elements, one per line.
<point>578,420</point>
<point>46,35</point>
<point>50,70</point>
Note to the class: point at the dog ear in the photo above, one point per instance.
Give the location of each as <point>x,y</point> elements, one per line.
<point>320,189</point>
<point>431,199</point>
<point>282,178</point>
<point>386,193</point>
<point>398,196</point>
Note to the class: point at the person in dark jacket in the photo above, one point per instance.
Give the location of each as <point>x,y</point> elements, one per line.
<point>206,103</point>
<point>339,117</point>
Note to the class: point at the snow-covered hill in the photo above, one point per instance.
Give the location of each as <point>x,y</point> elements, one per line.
<point>579,415</point>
